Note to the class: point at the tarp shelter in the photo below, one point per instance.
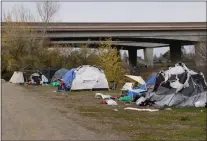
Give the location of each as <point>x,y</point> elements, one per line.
<point>127,86</point>
<point>136,78</point>
<point>17,77</point>
<point>89,78</point>
<point>59,74</point>
<point>179,86</point>
<point>69,77</point>
<point>139,90</point>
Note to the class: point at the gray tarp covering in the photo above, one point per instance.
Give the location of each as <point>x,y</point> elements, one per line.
<point>192,95</point>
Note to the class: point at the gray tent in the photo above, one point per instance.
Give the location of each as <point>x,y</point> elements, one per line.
<point>59,74</point>
<point>179,87</point>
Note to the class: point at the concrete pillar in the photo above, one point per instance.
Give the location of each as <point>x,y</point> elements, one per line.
<point>132,56</point>
<point>148,56</point>
<point>119,51</point>
<point>175,53</point>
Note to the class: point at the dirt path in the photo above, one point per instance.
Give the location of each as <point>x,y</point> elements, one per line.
<point>25,116</point>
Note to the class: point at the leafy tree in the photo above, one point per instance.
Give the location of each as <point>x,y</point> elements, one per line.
<point>110,62</point>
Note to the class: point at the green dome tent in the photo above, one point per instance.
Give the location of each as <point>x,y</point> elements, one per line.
<point>59,74</point>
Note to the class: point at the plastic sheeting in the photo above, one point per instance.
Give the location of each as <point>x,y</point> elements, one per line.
<point>69,77</point>
<point>127,86</point>
<point>111,102</point>
<point>44,79</point>
<point>136,78</point>
<point>140,100</point>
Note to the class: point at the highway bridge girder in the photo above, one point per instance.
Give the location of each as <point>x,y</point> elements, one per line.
<point>115,43</point>
<point>126,39</point>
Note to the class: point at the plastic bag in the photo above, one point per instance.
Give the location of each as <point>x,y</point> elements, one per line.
<point>111,102</point>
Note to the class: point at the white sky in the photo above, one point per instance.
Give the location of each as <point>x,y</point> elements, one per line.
<point>124,12</point>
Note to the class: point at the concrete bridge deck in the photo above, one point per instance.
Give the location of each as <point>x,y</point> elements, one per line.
<point>130,36</point>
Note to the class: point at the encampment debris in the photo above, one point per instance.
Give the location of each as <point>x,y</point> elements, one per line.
<point>115,110</point>
<point>111,102</point>
<point>137,109</point>
<point>179,86</point>
<point>100,95</point>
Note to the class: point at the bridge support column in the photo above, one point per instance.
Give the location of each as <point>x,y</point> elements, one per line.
<point>148,56</point>
<point>175,53</point>
<point>132,56</point>
<point>119,51</point>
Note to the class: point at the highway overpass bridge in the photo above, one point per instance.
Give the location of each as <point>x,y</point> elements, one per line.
<point>128,36</point>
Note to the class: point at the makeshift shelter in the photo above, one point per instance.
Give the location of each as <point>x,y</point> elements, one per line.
<point>38,78</point>
<point>69,77</point>
<point>59,74</point>
<point>179,86</point>
<point>136,78</point>
<point>127,86</point>
<point>145,85</point>
<point>17,77</point>
<point>89,78</point>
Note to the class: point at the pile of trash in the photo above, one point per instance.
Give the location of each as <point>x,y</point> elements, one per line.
<point>178,86</point>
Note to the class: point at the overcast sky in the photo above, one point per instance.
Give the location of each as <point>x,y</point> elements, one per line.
<point>124,12</point>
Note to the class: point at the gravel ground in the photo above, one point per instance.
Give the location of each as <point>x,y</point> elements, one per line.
<point>25,116</point>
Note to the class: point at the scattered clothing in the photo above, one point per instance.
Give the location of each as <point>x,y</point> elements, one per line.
<point>126,98</point>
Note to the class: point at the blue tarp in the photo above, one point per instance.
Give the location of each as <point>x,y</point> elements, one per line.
<point>140,90</point>
<point>69,77</point>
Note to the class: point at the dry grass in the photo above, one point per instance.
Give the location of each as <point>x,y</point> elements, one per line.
<point>178,124</point>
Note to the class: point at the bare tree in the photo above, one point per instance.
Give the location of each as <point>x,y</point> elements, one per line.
<point>47,11</point>
<point>19,45</point>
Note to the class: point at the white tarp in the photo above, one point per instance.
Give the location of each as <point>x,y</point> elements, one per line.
<point>89,77</point>
<point>44,79</point>
<point>103,96</point>
<point>127,86</point>
<point>111,102</point>
<point>136,78</point>
<point>17,77</point>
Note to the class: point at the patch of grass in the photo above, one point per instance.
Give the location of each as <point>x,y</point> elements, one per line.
<point>177,124</point>
<point>92,109</point>
<point>184,118</point>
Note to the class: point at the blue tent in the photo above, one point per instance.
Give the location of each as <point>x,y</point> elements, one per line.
<point>69,77</point>
<point>143,88</point>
